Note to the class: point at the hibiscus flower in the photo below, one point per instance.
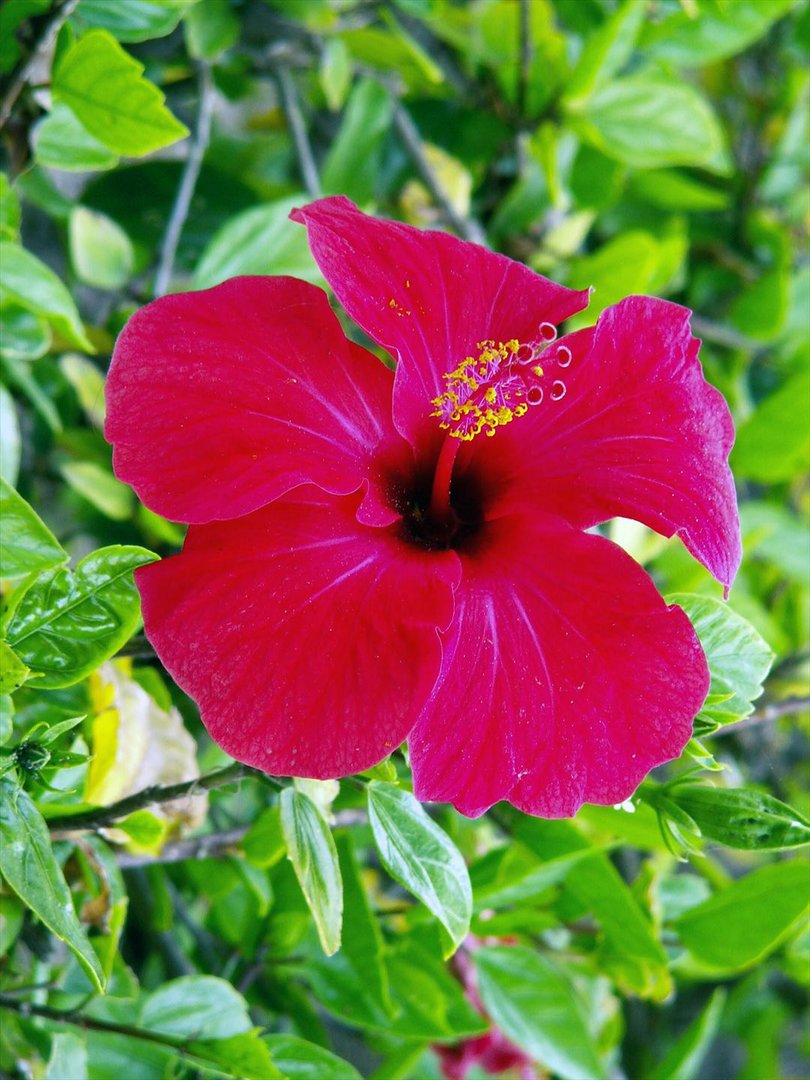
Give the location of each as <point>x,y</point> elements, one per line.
<point>375,556</point>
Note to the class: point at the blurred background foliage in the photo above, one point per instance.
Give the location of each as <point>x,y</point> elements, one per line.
<point>655,146</point>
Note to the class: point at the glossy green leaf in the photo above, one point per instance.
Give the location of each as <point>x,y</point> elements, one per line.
<point>69,622</point>
<point>739,659</point>
<point>13,671</point>
<point>30,868</point>
<point>756,914</point>
<point>684,1060</point>
<point>61,141</point>
<point>134,20</point>
<point>88,382</point>
<point>535,1006</point>
<point>243,1057</point>
<point>100,251</point>
<point>105,88</point>
<point>32,285</point>
<point>742,817</point>
<point>10,216</point>
<point>352,164</point>
<point>68,1058</point>
<point>258,241</point>
<point>712,32</point>
<point>302,1060</point>
<point>27,544</point>
<point>648,121</point>
<point>23,335</point>
<point>606,51</point>
<point>774,443</point>
<point>335,73</point>
<point>314,857</point>
<point>10,443</point>
<point>421,857</point>
<point>264,844</point>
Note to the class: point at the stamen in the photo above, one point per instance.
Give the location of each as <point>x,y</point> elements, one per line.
<point>498,385</point>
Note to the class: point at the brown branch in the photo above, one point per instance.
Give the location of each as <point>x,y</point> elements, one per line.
<point>767,714</point>
<point>295,122</point>
<point>102,816</point>
<point>46,41</point>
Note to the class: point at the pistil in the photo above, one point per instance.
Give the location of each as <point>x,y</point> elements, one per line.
<point>441,510</point>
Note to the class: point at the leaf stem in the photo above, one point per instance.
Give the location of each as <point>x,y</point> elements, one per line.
<point>295,122</point>
<point>188,182</point>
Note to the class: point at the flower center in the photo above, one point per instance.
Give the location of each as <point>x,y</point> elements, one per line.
<point>501,383</point>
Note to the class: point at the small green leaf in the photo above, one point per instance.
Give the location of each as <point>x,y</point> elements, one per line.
<point>68,1058</point>
<point>261,240</point>
<point>27,545</point>
<point>144,828</point>
<point>13,671</point>
<point>67,623</point>
<point>243,1057</point>
<point>9,210</point>
<point>61,141</point>
<point>335,73</point>
<point>211,28</point>
<point>135,20</point>
<point>88,382</point>
<point>747,920</point>
<point>264,843</point>
<point>535,1006</point>
<point>105,88</point>
<point>302,1060</point>
<point>29,866</point>
<point>739,659</point>
<point>23,335</point>
<point>742,817</point>
<point>421,856</point>
<point>606,51</point>
<point>98,485</point>
<point>100,250</point>
<point>352,166</point>
<point>196,1007</point>
<point>685,1058</point>
<point>688,38</point>
<point>649,121</point>
<point>30,284</point>
<point>314,857</point>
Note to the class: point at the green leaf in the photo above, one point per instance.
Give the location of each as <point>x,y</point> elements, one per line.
<point>353,983</point>
<point>739,659</point>
<point>10,444</point>
<point>32,285</point>
<point>68,1058</point>
<point>302,1060</point>
<point>685,1058</point>
<point>243,1057</point>
<point>352,165</point>
<point>135,20</point>
<point>335,73</point>
<point>61,141</point>
<point>630,951</point>
<point>100,251</point>
<point>13,671</point>
<point>747,920</point>
<point>606,51</point>
<point>27,545</point>
<point>98,485</point>
<point>535,1006</point>
<point>12,16</point>
<point>9,210</point>
<point>210,28</point>
<point>648,121</point>
<point>67,623</point>
<point>104,87</point>
<point>196,1007</point>
<point>144,828</point>
<point>742,817</point>
<point>23,336</point>
<point>258,241</point>
<point>312,852</point>
<point>421,857</point>
<point>689,39</point>
<point>774,443</point>
<point>29,866</point>
<point>627,264</point>
<point>88,382</point>
<point>264,843</point>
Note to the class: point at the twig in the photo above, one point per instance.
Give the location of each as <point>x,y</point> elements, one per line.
<point>102,816</point>
<point>524,70</point>
<point>59,19</point>
<point>723,335</point>
<point>768,713</point>
<point>407,130</point>
<point>295,122</point>
<point>188,182</point>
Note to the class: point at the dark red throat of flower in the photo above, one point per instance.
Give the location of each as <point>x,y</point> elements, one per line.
<point>488,391</point>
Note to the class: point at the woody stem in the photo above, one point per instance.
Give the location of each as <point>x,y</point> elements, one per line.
<point>440,509</point>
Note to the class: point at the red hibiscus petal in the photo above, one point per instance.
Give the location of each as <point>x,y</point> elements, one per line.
<point>565,678</point>
<point>427,298</point>
<point>639,433</point>
<point>308,640</point>
<point>220,401</point>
